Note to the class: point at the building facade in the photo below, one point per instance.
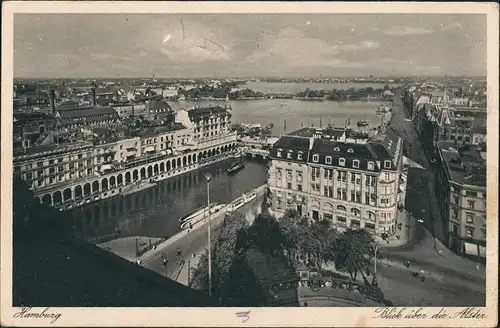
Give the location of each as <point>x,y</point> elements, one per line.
<point>351,185</point>
<point>461,185</point>
<point>76,172</point>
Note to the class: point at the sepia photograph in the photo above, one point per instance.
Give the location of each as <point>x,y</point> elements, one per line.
<point>201,164</point>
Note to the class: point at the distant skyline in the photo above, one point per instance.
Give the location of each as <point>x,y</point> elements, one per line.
<point>248,45</point>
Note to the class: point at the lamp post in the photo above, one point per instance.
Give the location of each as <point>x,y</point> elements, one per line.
<point>208,177</point>
<point>375,249</point>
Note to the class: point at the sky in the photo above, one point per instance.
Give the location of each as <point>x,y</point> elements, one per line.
<point>248,45</point>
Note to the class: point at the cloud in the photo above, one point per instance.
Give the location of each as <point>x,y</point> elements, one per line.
<point>104,56</point>
<point>407,30</point>
<point>291,47</point>
<point>195,43</point>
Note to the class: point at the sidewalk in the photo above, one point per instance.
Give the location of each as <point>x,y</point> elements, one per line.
<point>125,247</point>
<point>405,234</point>
<point>215,220</point>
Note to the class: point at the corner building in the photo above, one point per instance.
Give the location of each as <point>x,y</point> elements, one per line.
<point>355,183</point>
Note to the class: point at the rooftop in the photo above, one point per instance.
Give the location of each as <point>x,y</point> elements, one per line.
<point>67,273</point>
<point>464,164</point>
<point>86,112</point>
<point>144,132</point>
<point>309,132</point>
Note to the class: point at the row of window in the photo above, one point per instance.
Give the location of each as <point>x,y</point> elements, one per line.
<point>341,194</point>
<point>329,160</point>
<point>328,175</point>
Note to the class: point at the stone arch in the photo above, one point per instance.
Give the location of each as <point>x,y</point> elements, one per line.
<point>128,177</point>
<point>168,166</point>
<point>119,179</point>
<point>95,186</point>
<point>178,162</point>
<point>135,175</point>
<point>328,208</point>
<point>341,208</point>
<point>38,200</point>
<point>371,216</point>
<point>143,173</point>
<point>200,155</point>
<point>314,204</point>
<point>356,212</point>
<point>184,162</point>
<point>57,197</point>
<point>150,171</point>
<point>155,169</point>
<point>47,199</point>
<point>205,154</point>
<point>67,194</point>
<point>86,189</point>
<point>78,192</point>
<point>112,182</point>
<point>194,158</point>
<point>104,184</point>
<point>162,167</point>
<point>173,164</point>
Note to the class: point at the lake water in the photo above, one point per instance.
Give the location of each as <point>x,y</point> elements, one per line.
<point>276,87</point>
<point>298,111</point>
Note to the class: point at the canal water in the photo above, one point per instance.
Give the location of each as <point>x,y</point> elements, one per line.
<point>156,211</point>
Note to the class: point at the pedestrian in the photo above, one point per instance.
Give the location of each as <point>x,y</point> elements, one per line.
<point>305,304</point>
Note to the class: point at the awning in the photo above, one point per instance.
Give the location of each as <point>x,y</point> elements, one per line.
<point>471,249</point>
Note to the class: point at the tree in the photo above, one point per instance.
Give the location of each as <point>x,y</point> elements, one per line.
<point>224,252</point>
<point>290,233</point>
<point>265,234</point>
<point>353,252</point>
<point>322,241</point>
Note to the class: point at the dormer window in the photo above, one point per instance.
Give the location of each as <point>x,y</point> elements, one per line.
<point>289,155</point>
<point>299,156</point>
<point>355,163</point>
<point>328,160</point>
<point>278,153</point>
<point>315,158</point>
<point>342,161</point>
<point>350,150</point>
<point>371,166</point>
<point>336,149</point>
<point>387,164</point>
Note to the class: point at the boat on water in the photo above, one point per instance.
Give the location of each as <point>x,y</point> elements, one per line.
<point>363,123</point>
<point>235,167</point>
<point>188,220</point>
<point>197,212</point>
<point>250,196</point>
<point>237,203</point>
<point>138,186</point>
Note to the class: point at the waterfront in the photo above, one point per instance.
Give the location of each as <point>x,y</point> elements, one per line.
<point>156,211</point>
<point>297,112</point>
<point>277,87</point>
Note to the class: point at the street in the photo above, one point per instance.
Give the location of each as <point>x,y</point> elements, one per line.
<point>450,279</point>
<point>193,243</point>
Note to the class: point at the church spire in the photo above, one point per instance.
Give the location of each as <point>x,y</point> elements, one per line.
<point>445,97</point>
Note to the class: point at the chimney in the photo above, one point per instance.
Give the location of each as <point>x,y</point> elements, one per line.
<point>53,101</point>
<point>92,92</point>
